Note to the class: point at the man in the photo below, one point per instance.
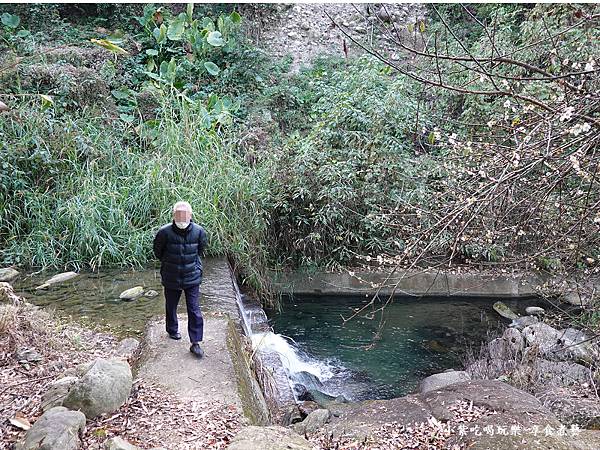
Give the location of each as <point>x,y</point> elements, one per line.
<point>179,246</point>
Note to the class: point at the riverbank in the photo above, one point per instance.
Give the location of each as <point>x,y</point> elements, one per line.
<point>39,348</point>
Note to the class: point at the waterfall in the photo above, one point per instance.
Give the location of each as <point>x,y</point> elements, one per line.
<point>304,372</point>
<point>294,361</point>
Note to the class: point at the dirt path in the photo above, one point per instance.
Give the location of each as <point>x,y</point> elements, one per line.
<point>170,363</point>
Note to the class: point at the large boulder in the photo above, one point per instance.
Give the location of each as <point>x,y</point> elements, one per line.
<point>268,438</point>
<point>439,380</point>
<point>57,429</point>
<point>506,403</point>
<point>102,389</point>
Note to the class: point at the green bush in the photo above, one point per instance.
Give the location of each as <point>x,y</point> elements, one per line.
<point>338,189</point>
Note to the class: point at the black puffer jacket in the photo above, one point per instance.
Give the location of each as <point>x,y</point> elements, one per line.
<point>180,252</point>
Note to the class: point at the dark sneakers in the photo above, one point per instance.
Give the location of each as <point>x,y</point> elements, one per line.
<point>175,336</point>
<point>196,350</point>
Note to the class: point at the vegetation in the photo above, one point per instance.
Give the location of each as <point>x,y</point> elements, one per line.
<point>479,148</point>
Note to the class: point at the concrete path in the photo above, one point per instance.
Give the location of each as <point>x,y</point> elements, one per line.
<point>170,363</point>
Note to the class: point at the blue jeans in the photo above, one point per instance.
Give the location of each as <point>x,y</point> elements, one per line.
<point>195,319</point>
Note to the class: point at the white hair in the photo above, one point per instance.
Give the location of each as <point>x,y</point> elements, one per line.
<point>182,206</point>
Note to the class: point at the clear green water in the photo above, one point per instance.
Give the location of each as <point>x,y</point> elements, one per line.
<point>93,297</point>
<point>419,337</point>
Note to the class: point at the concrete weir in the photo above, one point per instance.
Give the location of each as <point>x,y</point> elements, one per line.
<point>227,373</point>
<point>426,282</point>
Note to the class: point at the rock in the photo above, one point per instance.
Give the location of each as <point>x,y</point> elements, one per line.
<point>570,406</point>
<point>514,340</point>
<point>491,368</point>
<point>58,279</point>
<point>57,392</point>
<point>435,346</point>
<point>268,438</point>
<point>150,293</point>
<point>543,372</point>
<point>8,274</point>
<point>308,380</point>
<point>292,34</point>
<point>525,439</point>
<point>57,429</point>
<point>28,355</point>
<point>307,407</point>
<point>313,422</point>
<point>118,443</point>
<point>522,322</point>
<point>439,380</point>
<point>360,29</point>
<point>504,311</point>
<point>321,398</point>
<point>575,344</point>
<point>543,336</point>
<point>290,415</point>
<point>561,344</point>
<point>511,405</point>
<point>126,348</point>
<point>102,389</point>
<point>3,107</point>
<point>132,293</point>
<point>535,310</point>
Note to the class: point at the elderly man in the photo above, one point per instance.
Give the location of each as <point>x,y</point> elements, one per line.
<point>179,246</point>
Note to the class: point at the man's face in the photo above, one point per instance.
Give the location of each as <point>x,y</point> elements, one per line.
<point>182,215</point>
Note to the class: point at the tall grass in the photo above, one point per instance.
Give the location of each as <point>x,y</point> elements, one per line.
<point>89,192</point>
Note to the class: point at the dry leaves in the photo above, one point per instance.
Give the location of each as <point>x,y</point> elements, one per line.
<point>154,417</point>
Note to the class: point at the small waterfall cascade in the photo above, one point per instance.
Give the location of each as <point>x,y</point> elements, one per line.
<point>305,374</point>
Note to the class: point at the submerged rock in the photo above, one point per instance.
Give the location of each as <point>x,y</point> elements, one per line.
<point>505,311</point>
<point>102,389</point>
<point>435,346</point>
<point>268,438</point>
<point>132,293</point>
<point>57,279</point>
<point>57,429</point>
<point>8,274</point>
